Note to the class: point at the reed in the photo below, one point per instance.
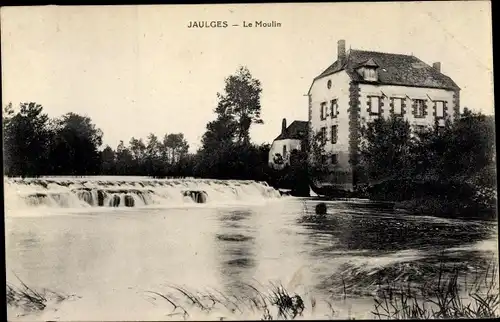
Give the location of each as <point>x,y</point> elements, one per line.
<point>453,295</point>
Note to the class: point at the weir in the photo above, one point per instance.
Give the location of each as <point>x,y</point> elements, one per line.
<point>130,192</point>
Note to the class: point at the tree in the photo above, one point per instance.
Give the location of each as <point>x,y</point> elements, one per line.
<point>241,101</point>
<point>108,161</point>
<point>313,150</point>
<point>26,140</point>
<point>458,150</point>
<point>123,159</point>
<point>138,151</point>
<point>74,145</point>
<point>386,149</point>
<point>153,164</point>
<point>175,147</point>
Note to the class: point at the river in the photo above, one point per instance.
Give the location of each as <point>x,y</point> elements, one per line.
<point>108,260</point>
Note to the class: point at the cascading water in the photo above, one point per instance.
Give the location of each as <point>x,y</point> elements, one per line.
<point>129,192</point>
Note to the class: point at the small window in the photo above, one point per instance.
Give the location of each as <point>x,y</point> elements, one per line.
<point>374,105</point>
<point>323,111</point>
<point>334,159</point>
<point>284,151</point>
<point>397,106</point>
<point>334,134</point>
<point>370,74</point>
<point>439,109</point>
<point>334,109</point>
<point>419,108</point>
<point>329,84</point>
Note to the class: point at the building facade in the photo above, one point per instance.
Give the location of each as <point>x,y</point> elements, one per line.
<point>361,86</point>
<point>290,139</point>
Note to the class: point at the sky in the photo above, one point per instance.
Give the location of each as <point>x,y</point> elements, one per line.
<point>137,70</point>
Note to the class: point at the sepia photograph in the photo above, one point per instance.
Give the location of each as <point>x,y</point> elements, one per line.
<point>249,161</point>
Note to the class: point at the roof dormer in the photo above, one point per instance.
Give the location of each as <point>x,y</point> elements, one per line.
<point>368,70</point>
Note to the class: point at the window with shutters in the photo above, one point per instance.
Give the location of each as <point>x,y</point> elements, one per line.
<point>334,134</point>
<point>419,108</point>
<point>334,108</point>
<point>323,111</point>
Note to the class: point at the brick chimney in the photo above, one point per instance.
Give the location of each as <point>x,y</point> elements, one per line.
<point>283,126</point>
<point>437,66</point>
<point>341,50</point>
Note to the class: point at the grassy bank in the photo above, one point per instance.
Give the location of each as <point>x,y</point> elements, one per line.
<point>446,297</point>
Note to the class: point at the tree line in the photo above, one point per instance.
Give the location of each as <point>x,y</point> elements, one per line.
<point>35,144</point>
<point>448,168</point>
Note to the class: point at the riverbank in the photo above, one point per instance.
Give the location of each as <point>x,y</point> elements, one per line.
<point>455,209</point>
<point>456,200</point>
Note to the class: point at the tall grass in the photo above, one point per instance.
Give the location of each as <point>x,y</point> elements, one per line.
<point>452,296</point>
<point>444,300</point>
<point>29,299</point>
<point>276,303</point>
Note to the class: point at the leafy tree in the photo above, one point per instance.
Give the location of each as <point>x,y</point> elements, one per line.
<point>108,161</point>
<point>74,145</point>
<point>458,150</point>
<point>124,160</point>
<point>26,140</point>
<point>241,101</point>
<point>175,147</point>
<point>386,149</point>
<point>138,151</point>
<point>153,164</point>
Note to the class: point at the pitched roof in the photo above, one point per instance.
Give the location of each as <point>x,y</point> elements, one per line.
<point>393,69</point>
<point>295,131</point>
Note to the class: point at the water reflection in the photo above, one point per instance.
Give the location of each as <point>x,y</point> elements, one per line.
<point>235,243</point>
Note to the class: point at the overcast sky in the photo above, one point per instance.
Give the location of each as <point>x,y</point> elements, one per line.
<point>139,69</point>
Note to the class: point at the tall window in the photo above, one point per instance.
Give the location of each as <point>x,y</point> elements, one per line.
<point>284,151</point>
<point>374,102</point>
<point>439,109</point>
<point>323,111</point>
<point>323,134</point>
<point>334,108</point>
<point>334,134</point>
<point>397,104</point>
<point>419,108</point>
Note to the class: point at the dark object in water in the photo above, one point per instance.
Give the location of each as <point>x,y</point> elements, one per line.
<point>100,198</point>
<point>197,196</point>
<point>129,201</point>
<point>321,209</point>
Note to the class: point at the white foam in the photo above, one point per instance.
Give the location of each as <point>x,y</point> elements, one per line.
<point>24,195</point>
